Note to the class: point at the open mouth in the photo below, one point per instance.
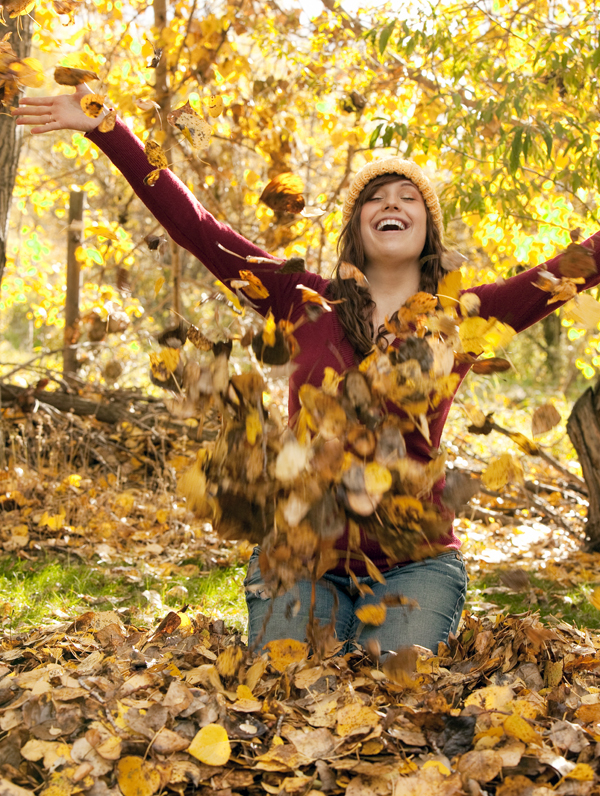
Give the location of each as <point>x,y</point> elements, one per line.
<point>390,225</point>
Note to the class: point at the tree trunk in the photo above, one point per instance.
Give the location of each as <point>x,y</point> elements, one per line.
<point>583,427</point>
<point>10,134</point>
<point>74,230</point>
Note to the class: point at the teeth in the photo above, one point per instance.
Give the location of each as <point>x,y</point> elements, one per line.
<point>390,222</point>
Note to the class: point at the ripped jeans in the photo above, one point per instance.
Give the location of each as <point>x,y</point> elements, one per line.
<point>439,585</point>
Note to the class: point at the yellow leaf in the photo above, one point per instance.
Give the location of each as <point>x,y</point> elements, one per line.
<point>210,746</point>
<point>469,304</point>
<point>285,651</point>
<point>502,470</point>
<point>449,289</point>
<point>194,127</point>
<point>269,329</point>
<point>243,692</point>
<point>526,445</point>
<point>594,597</point>
<point>378,479</point>
<point>30,72</point>
<point>517,727</point>
<point>156,155</point>
<point>229,661</point>
<point>170,357</point>
<point>137,777</point>
<point>55,522</point>
<point>582,772</point>
<point>158,284</point>
<point>92,105</point>
<point>372,614</point>
<point>214,105</point>
<point>251,178</point>
<point>253,426</point>
<point>493,697</point>
<point>355,716</point>
<point>437,764</point>
<point>254,288</point>
<point>478,335</point>
<point>331,381</point>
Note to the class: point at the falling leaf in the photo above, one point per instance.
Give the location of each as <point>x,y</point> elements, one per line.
<point>594,597</point>
<point>158,285</point>
<point>491,365</point>
<point>147,104</point>
<point>377,479</point>
<point>108,123</point>
<point>68,76</point>
<point>210,746</point>
<point>311,296</point>
<point>196,338</point>
<point>194,127</point>
<point>584,310</point>
<point>214,105</point>
<point>577,261</point>
<point>449,289</point>
<point>500,471</point>
<point>469,304</point>
<point>92,105</point>
<point>251,285</point>
<point>284,194</point>
<point>286,651</point>
<point>544,418</point>
<point>349,271</point>
<point>229,661</point>
<point>372,614</point>
<point>156,155</point>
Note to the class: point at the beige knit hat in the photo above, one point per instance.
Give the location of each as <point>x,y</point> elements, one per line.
<point>404,168</point>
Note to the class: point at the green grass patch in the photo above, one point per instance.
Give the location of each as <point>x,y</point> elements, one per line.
<point>33,593</point>
<point>546,596</point>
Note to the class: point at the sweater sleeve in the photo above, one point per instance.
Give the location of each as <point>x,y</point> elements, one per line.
<point>518,302</point>
<point>195,229</point>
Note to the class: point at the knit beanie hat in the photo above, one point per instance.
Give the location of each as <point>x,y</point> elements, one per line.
<point>403,168</point>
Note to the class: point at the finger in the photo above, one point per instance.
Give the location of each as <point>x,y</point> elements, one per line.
<point>46,118</point>
<point>32,113</point>
<point>46,128</point>
<point>36,101</point>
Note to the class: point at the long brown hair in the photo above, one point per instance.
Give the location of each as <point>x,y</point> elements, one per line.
<point>356,310</point>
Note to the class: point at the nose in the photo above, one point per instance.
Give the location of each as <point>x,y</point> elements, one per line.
<point>393,202</point>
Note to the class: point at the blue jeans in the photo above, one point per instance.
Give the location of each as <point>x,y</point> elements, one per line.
<point>439,585</point>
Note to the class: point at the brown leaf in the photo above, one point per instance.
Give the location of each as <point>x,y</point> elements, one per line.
<point>577,261</point>
<point>69,76</point>
<point>516,579</point>
<point>544,418</point>
<point>491,365</point>
<point>284,194</point>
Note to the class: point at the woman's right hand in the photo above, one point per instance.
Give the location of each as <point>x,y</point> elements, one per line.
<point>62,112</point>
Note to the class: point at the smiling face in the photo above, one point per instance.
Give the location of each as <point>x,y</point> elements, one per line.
<point>393,224</point>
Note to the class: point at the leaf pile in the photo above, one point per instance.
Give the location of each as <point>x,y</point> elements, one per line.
<point>97,708</point>
<point>346,461</point>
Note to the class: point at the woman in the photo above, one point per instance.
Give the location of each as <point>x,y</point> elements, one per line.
<point>392,233</point>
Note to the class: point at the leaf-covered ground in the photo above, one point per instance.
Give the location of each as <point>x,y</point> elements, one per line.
<point>124,668</point>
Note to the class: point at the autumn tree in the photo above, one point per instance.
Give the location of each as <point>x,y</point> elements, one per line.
<point>16,37</point>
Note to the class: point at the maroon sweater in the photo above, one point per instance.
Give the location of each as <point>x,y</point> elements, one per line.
<point>323,344</point>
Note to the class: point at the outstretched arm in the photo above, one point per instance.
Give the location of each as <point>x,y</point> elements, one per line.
<point>63,112</point>
<point>172,204</point>
<point>519,302</point>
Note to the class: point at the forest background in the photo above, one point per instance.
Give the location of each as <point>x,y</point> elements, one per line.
<point>497,101</point>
